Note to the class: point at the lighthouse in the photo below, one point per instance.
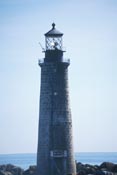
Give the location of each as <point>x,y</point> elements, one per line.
<point>55,154</point>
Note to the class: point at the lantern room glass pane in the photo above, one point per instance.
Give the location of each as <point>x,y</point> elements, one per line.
<point>53,43</point>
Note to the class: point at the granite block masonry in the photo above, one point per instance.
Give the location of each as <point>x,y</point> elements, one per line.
<point>55,154</point>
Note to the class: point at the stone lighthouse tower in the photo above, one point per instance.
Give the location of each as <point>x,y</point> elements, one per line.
<point>55,143</point>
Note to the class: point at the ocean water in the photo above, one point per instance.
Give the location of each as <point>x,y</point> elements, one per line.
<point>25,160</point>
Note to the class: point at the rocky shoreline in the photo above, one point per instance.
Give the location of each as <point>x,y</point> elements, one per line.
<point>106,168</point>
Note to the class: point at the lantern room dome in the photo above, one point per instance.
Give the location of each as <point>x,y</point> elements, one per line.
<point>53,32</point>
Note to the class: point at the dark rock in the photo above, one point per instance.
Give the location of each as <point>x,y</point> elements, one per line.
<point>5,173</point>
<point>87,169</point>
<point>114,168</point>
<point>10,170</point>
<point>81,168</point>
<point>107,166</point>
<point>2,167</point>
<point>33,168</point>
<point>81,172</point>
<point>30,171</point>
<point>1,173</point>
<point>99,173</point>
<point>17,171</point>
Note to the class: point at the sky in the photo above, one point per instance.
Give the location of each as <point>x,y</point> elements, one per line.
<point>90,41</point>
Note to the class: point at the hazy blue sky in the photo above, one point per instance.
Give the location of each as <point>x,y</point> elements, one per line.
<point>90,38</point>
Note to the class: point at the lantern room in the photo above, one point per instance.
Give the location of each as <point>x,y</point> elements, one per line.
<point>53,39</point>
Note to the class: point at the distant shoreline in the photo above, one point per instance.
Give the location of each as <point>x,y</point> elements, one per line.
<point>24,160</point>
<point>110,152</point>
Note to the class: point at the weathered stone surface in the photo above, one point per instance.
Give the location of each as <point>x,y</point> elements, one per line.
<point>55,121</point>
